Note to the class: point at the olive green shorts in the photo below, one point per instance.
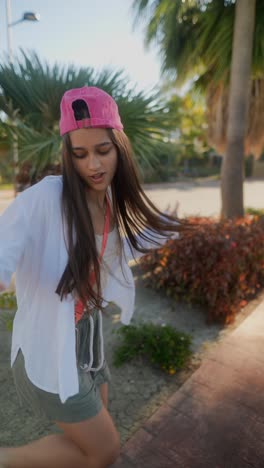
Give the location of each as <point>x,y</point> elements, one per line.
<point>85,404</point>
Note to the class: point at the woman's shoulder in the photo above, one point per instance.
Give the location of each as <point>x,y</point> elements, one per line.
<point>42,199</point>
<point>48,189</point>
<point>48,183</point>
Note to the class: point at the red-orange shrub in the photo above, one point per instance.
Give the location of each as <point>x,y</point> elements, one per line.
<point>219,265</point>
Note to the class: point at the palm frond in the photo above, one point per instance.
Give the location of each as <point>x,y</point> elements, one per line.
<point>196,35</point>
<point>38,147</point>
<point>31,94</point>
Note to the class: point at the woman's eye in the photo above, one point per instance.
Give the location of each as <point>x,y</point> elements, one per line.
<point>79,155</point>
<point>104,152</point>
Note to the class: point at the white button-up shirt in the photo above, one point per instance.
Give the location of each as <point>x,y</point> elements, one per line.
<point>32,244</point>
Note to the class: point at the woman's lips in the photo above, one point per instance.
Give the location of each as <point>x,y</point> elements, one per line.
<point>97,178</point>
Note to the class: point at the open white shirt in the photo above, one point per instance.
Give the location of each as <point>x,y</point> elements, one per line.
<point>32,244</point>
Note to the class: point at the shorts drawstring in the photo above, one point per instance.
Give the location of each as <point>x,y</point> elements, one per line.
<point>88,367</point>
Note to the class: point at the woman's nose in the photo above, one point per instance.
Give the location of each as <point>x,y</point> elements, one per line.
<point>93,162</point>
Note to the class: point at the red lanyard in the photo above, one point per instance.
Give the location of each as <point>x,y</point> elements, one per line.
<point>79,306</point>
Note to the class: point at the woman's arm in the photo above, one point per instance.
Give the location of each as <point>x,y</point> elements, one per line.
<point>14,226</point>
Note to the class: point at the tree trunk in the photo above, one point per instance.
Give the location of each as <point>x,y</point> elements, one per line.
<point>239,92</point>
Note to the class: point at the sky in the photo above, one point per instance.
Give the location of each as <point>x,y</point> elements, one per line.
<point>95,33</point>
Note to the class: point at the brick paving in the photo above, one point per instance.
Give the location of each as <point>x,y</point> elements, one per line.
<point>216,419</point>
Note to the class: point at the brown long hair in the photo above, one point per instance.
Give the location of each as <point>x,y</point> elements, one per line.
<point>133,212</point>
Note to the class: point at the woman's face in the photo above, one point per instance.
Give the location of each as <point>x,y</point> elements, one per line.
<point>94,157</point>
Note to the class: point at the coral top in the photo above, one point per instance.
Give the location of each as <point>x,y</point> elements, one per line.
<point>79,305</point>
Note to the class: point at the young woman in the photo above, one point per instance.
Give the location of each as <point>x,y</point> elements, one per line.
<point>69,238</point>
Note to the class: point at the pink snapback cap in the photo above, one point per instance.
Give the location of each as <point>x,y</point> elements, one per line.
<point>101,110</point>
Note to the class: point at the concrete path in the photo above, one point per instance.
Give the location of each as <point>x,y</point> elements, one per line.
<point>216,419</point>
<point>200,197</point>
<point>6,196</point>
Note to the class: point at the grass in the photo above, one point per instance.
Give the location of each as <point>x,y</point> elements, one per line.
<point>6,186</point>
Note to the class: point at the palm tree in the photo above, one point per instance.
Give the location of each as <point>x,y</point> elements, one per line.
<point>31,91</point>
<point>232,167</point>
<point>195,42</point>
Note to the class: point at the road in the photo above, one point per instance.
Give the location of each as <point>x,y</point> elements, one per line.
<point>203,198</point>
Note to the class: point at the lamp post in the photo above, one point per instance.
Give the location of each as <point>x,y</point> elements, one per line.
<point>28,16</point>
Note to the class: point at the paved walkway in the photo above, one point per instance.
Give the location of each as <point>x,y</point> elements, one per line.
<point>194,197</point>
<point>216,419</point>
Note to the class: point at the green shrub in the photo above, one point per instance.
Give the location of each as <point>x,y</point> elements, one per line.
<point>255,211</point>
<point>8,300</point>
<point>8,321</point>
<point>161,345</point>
<point>7,303</point>
<point>219,265</point>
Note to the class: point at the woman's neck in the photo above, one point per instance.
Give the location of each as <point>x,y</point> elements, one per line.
<point>97,206</point>
<point>96,199</point>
